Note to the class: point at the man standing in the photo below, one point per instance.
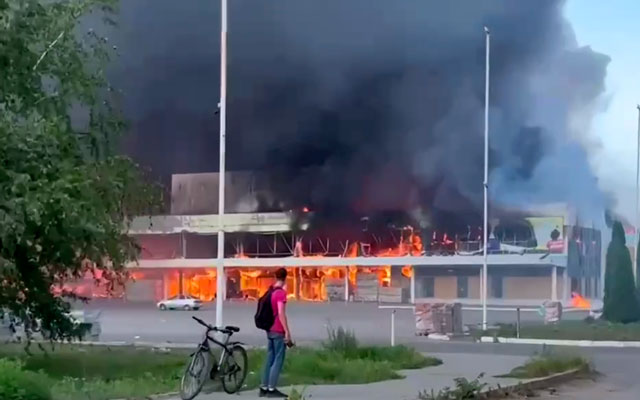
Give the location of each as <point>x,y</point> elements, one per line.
<point>278,338</point>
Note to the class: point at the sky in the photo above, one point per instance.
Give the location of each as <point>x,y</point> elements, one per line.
<point>612,27</point>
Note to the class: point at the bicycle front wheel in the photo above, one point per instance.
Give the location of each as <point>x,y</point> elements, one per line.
<point>234,369</point>
<point>195,375</point>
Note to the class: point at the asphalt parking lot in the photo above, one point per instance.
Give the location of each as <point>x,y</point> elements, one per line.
<point>309,321</point>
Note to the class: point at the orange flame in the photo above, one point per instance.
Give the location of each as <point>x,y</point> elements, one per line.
<point>578,301</point>
<point>305,283</point>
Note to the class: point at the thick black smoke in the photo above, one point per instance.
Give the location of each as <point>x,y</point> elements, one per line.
<point>367,105</point>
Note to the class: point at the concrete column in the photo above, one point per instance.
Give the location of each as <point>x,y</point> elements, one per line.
<point>224,284</point>
<point>346,284</point>
<point>183,243</point>
<point>481,281</point>
<point>554,283</point>
<point>565,284</point>
<point>180,282</point>
<point>165,289</point>
<point>297,282</point>
<point>413,285</point>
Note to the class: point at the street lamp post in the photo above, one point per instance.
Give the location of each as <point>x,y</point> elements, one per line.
<point>637,222</point>
<point>222,170</point>
<point>485,183</point>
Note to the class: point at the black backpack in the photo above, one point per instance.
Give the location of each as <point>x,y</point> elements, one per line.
<point>264,317</point>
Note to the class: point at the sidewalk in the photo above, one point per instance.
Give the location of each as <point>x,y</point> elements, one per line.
<point>454,365</point>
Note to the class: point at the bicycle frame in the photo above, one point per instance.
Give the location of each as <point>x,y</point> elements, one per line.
<point>225,346</point>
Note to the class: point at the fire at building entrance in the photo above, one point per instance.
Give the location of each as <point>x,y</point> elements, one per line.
<point>307,284</point>
<point>325,283</point>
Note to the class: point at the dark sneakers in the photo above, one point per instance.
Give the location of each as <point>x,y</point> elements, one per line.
<point>262,392</point>
<point>276,394</point>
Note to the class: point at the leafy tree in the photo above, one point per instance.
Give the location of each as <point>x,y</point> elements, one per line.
<point>65,197</point>
<point>638,267</point>
<point>620,302</point>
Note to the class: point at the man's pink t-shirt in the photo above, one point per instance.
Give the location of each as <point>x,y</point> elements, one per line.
<point>278,296</point>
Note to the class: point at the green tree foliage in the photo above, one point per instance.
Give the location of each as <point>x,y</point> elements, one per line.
<point>65,197</point>
<point>638,268</point>
<point>18,384</point>
<point>620,302</point>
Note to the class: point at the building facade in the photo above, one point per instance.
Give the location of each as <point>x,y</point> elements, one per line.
<point>531,259</point>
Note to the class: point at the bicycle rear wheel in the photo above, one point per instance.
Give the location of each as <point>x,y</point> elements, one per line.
<point>234,369</point>
<point>195,375</point>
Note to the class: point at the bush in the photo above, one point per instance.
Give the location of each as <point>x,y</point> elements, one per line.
<point>18,384</point>
<point>400,357</point>
<point>463,390</point>
<point>539,367</point>
<point>295,395</point>
<point>620,301</point>
<point>341,340</point>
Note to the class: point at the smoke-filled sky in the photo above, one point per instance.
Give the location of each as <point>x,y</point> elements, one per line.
<point>367,105</point>
<point>611,27</point>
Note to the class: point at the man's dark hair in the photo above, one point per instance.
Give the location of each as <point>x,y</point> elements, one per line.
<point>281,274</point>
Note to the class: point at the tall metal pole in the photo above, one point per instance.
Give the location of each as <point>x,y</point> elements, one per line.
<point>486,182</point>
<point>637,222</point>
<point>220,287</point>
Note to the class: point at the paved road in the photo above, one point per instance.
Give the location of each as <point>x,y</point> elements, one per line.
<point>589,390</point>
<point>143,322</point>
<point>617,379</point>
<point>618,368</point>
<point>434,378</point>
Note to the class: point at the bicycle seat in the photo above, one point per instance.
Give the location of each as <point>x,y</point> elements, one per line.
<point>234,329</point>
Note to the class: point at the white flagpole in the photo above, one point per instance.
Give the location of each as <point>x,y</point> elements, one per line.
<point>220,286</point>
<point>486,182</point>
<point>637,222</point>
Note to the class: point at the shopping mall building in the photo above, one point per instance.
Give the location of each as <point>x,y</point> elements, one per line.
<point>540,256</point>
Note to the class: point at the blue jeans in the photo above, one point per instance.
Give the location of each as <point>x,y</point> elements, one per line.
<point>275,359</point>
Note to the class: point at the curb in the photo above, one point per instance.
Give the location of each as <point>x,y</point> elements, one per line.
<point>535,384</point>
<point>165,396</point>
<point>500,392</point>
<point>167,345</point>
<point>151,345</point>
<point>558,342</point>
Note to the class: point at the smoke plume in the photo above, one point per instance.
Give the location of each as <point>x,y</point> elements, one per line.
<point>367,105</point>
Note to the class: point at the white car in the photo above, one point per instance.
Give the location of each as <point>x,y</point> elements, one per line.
<point>180,302</point>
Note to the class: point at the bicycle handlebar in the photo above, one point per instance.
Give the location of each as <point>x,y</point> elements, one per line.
<point>212,328</point>
<point>201,322</point>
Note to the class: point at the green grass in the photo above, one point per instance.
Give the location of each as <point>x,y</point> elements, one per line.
<point>18,384</point>
<point>548,365</point>
<point>570,330</point>
<point>305,366</point>
<point>88,362</point>
<point>103,373</point>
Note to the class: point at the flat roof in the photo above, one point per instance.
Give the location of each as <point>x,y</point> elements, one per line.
<point>208,224</point>
<point>533,260</point>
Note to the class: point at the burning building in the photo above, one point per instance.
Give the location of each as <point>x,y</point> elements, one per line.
<point>361,115</point>
<point>531,258</point>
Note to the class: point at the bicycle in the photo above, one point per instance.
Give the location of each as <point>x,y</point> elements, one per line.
<point>231,368</point>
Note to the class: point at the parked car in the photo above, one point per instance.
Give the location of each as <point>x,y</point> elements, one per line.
<point>180,302</point>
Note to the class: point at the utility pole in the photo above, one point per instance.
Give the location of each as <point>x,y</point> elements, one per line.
<point>220,286</point>
<point>637,221</point>
<point>485,230</point>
